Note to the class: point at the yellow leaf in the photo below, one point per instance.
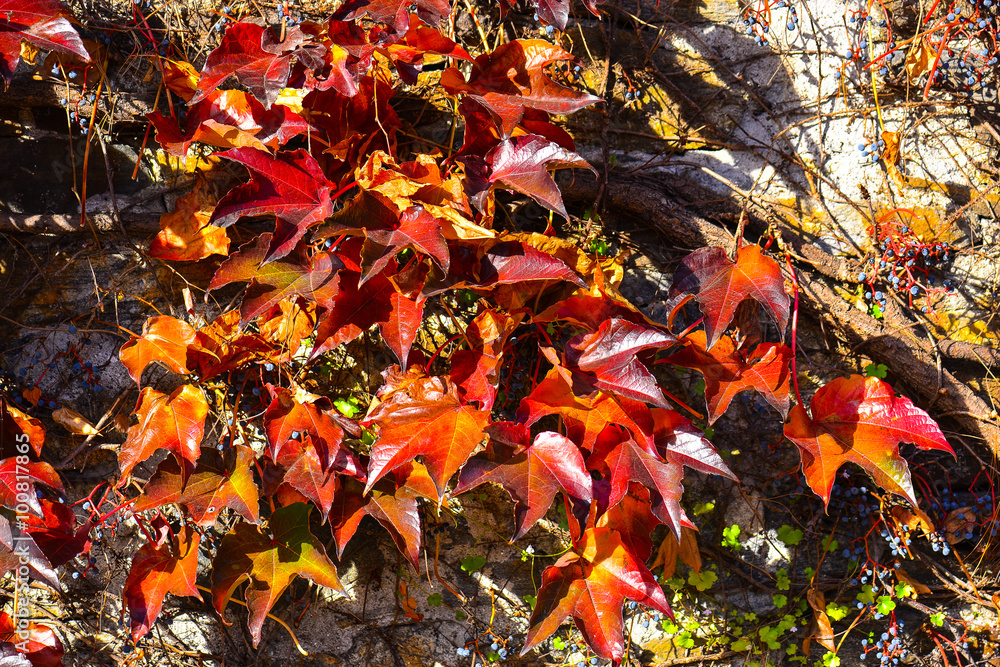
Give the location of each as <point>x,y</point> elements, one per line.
<point>28,52</point>
<point>919,61</point>
<point>892,156</point>
<point>73,421</point>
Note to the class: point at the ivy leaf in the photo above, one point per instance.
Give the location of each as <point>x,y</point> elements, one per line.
<point>290,185</point>
<point>175,423</point>
<point>522,164</point>
<point>43,24</point>
<point>185,234</point>
<point>295,413</point>
<point>513,77</point>
<point>357,308</point>
<point>14,535</point>
<point>313,278</point>
<point>16,427</point>
<point>394,14</point>
<point>611,355</point>
<point>17,483</point>
<point>307,473</point>
<point>531,473</point>
<point>255,55</point>
<point>585,416</point>
<point>57,534</point>
<point>681,441</point>
<point>475,371</point>
<point>270,561</point>
<point>164,339</point>
<point>552,12</point>
<point>417,229</point>
<point>513,262</point>
<point>591,584</point>
<point>158,569</point>
<point>727,372</point>
<point>633,519</point>
<point>424,417</point>
<point>860,420</point>
<point>392,502</point>
<point>221,479</point>
<point>37,644</point>
<point>719,285</point>
<point>621,460</point>
<point>228,119</point>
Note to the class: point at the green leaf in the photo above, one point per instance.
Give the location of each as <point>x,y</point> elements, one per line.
<point>836,612</point>
<point>790,536</point>
<point>784,583</point>
<point>731,537</point>
<point>435,600</point>
<point>472,563</point>
<point>347,407</point>
<point>703,580</point>
<point>740,645</point>
<point>885,604</point>
<point>703,508</point>
<point>559,644</point>
<point>830,544</point>
<point>780,600</point>
<point>830,659</point>
<point>459,615</point>
<point>937,619</point>
<point>530,600</point>
<point>876,370</point>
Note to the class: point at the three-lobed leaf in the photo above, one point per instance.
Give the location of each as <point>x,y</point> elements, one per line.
<point>860,420</point>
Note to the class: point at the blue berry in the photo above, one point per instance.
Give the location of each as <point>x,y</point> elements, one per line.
<point>862,277</point>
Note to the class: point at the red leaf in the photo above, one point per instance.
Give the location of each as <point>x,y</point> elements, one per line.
<point>42,23</point>
<point>314,278</point>
<point>294,413</point>
<point>254,54</point>
<point>727,373</point>
<point>475,371</point>
<point>681,441</point>
<point>424,417</point>
<point>270,561</point>
<point>622,461</point>
<point>552,12</point>
<point>591,584</point>
<point>611,355</point>
<point>164,339</point>
<point>306,473</point>
<point>17,483</point>
<point>860,420</point>
<point>719,285</point>
<point>394,13</point>
<point>290,185</point>
<point>513,77</point>
<point>36,642</point>
<point>633,519</point>
<point>228,119</point>
<point>585,416</point>
<point>175,423</point>
<point>57,534</point>
<point>158,569</point>
<point>512,262</point>
<point>522,164</point>
<point>531,473</point>
<point>221,479</point>
<point>417,229</point>
<point>13,536</point>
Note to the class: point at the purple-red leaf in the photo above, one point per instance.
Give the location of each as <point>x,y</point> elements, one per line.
<point>522,164</point>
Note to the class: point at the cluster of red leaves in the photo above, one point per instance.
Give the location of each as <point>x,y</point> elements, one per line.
<point>366,234</point>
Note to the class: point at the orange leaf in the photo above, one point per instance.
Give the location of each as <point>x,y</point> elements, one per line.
<point>32,395</point>
<point>175,422</point>
<point>860,420</point>
<point>74,422</point>
<point>165,339</point>
<point>158,569</point>
<point>185,233</point>
<point>824,631</point>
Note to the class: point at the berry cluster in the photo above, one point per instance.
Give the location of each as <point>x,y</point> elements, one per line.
<point>965,39</point>
<point>498,648</point>
<point>866,33</point>
<point>757,19</point>
<point>887,648</point>
<point>906,265</point>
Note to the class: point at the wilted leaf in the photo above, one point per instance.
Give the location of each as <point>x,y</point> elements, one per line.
<point>73,421</point>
